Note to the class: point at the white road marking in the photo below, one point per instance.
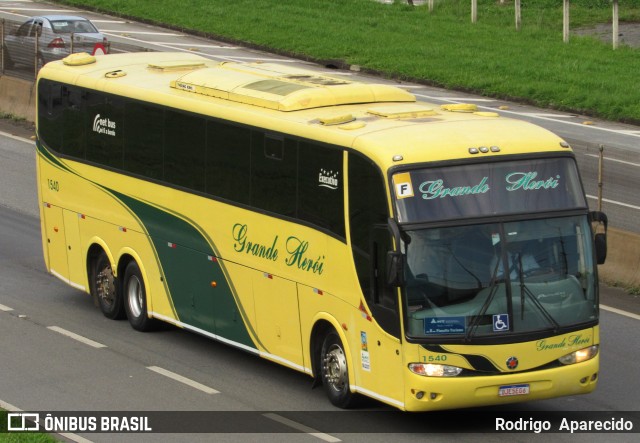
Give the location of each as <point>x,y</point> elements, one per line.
<point>539,117</point>
<point>11,8</point>
<point>467,99</point>
<point>181,379</point>
<point>543,114</point>
<point>300,427</point>
<point>80,338</point>
<point>276,60</point>
<point>115,22</point>
<point>126,32</point>
<point>613,202</point>
<point>613,160</point>
<point>196,46</point>
<point>620,312</point>
<point>5,308</point>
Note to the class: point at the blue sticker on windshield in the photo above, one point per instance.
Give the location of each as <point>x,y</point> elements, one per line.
<point>444,325</point>
<point>500,322</point>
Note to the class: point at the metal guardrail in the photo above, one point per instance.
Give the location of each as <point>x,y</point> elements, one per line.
<point>23,57</point>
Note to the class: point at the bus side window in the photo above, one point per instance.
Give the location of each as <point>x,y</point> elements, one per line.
<point>143,144</point>
<point>228,161</point>
<point>104,118</point>
<point>274,167</point>
<point>370,240</point>
<point>320,186</point>
<point>74,122</point>
<point>50,113</point>
<point>184,150</point>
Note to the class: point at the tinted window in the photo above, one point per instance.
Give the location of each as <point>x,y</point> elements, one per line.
<point>320,186</point>
<point>143,143</point>
<point>228,161</point>
<point>73,130</point>
<point>273,174</point>
<point>184,150</point>
<point>50,111</point>
<point>104,124</point>
<point>367,209</point>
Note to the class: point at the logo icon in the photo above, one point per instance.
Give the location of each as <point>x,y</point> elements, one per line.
<point>104,125</point>
<point>23,421</point>
<point>500,322</point>
<point>328,179</point>
<point>512,363</point>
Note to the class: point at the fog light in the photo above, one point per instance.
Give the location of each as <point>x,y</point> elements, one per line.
<point>419,395</point>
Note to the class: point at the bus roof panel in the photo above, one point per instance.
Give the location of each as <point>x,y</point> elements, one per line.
<point>283,89</point>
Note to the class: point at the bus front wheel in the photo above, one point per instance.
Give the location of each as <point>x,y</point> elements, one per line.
<point>335,373</point>
<point>106,288</point>
<point>135,298</point>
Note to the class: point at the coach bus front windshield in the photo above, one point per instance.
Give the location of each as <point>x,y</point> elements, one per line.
<point>496,249</point>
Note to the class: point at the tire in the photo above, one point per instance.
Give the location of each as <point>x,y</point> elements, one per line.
<point>107,288</point>
<point>335,373</point>
<point>135,299</point>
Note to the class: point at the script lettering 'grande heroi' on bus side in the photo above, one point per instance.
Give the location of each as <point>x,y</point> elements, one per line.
<point>242,244</point>
<point>297,249</point>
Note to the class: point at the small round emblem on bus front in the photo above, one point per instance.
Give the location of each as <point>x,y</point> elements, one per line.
<point>512,363</point>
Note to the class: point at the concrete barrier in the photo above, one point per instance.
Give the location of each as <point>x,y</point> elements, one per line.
<point>18,97</point>
<point>623,259</point>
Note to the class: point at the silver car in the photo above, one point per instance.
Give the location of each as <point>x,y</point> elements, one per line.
<point>57,36</point>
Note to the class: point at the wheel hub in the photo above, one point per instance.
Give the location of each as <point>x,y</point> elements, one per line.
<point>335,368</point>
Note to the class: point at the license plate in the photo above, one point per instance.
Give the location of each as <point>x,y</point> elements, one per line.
<point>507,391</point>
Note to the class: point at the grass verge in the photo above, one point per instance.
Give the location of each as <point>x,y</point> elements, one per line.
<point>440,48</point>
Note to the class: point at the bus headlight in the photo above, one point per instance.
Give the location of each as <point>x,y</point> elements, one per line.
<point>579,356</point>
<point>431,370</point>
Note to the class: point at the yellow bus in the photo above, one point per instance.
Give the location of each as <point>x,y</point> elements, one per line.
<point>427,257</point>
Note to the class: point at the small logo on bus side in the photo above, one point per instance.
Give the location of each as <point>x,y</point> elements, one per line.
<point>328,179</point>
<point>104,126</point>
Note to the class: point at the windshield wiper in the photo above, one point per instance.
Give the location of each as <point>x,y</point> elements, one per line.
<point>524,290</point>
<point>493,286</point>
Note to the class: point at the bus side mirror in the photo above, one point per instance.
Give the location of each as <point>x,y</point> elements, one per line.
<point>395,268</point>
<point>600,239</point>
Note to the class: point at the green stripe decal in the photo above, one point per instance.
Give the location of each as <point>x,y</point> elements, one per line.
<point>184,254</point>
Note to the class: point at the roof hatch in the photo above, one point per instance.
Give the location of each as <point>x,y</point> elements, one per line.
<point>412,110</point>
<point>283,88</point>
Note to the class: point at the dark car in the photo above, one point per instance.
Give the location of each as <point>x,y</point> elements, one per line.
<point>57,35</point>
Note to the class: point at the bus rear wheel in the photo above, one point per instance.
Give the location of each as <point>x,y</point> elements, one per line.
<point>334,372</point>
<point>107,289</point>
<point>135,299</point>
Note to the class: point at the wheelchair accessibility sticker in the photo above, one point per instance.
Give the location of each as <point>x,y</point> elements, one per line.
<point>500,322</point>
